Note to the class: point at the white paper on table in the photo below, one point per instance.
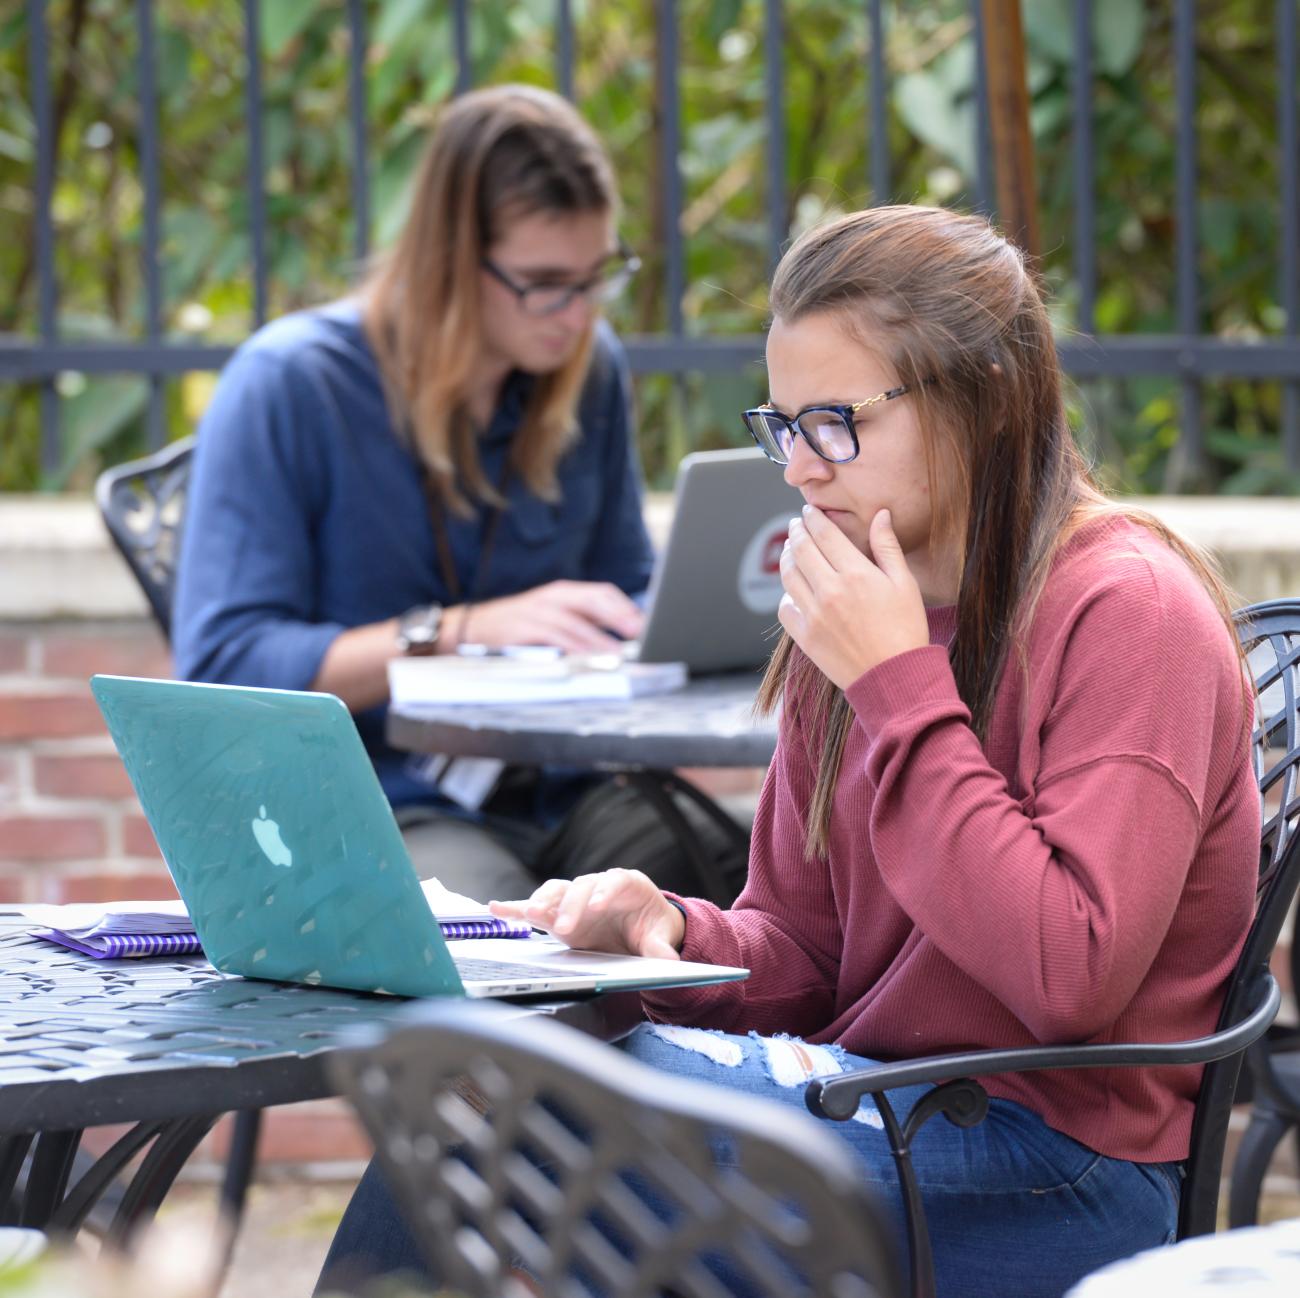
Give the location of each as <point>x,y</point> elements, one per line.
<point>103,919</point>
<point>453,907</point>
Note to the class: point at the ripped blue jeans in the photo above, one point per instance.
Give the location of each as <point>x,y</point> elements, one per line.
<point>1015,1209</point>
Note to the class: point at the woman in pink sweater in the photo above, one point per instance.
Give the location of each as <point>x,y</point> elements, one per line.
<point>1012,800</point>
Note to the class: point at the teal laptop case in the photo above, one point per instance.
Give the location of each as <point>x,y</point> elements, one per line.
<point>261,801</point>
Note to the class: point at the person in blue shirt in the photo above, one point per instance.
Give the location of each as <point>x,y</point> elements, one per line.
<point>444,458</point>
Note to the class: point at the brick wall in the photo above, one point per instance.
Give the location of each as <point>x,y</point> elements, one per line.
<point>70,827</point>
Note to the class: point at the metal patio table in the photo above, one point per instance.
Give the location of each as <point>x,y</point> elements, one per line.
<point>167,1045</point>
<point>710,722</point>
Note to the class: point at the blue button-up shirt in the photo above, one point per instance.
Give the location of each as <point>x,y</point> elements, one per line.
<point>306,513</point>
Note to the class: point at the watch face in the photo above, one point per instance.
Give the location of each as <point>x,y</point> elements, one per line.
<point>418,629</point>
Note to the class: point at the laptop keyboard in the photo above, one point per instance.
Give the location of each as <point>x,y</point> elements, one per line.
<point>472,970</point>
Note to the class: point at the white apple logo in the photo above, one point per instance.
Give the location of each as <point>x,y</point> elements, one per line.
<point>267,833</point>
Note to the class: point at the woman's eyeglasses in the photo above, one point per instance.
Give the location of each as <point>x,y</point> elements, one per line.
<point>831,431</point>
<point>547,299</point>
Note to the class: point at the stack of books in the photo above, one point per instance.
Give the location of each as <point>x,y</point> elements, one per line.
<point>503,677</point>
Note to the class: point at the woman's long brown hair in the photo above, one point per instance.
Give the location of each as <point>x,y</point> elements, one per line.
<point>496,155</point>
<point>952,307</point>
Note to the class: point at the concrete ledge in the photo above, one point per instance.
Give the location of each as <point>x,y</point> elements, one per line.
<point>56,560</point>
<point>1230,524</point>
<point>1256,539</point>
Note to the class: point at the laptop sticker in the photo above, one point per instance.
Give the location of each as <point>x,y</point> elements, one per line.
<point>760,566</point>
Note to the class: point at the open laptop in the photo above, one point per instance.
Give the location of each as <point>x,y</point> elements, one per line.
<point>284,849</point>
<point>713,598</point>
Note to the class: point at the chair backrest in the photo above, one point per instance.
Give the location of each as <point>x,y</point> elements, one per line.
<point>142,503</point>
<point>510,1140</point>
<point>1270,636</point>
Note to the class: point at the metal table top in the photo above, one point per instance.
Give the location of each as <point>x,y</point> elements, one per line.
<point>85,1041</point>
<point>708,723</point>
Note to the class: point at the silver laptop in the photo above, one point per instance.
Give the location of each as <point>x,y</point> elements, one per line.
<point>284,849</point>
<point>715,590</point>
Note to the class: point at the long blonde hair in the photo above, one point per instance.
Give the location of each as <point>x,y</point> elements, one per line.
<point>496,154</point>
<point>952,300</point>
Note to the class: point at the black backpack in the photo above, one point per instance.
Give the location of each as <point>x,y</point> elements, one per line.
<point>624,822</point>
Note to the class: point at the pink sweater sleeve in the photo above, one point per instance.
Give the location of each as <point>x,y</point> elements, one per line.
<point>783,927</point>
<point>1056,903</point>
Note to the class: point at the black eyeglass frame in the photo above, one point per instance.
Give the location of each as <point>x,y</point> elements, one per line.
<point>611,282</point>
<point>847,413</point>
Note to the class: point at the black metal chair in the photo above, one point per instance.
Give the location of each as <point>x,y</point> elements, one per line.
<point>1273,1063</point>
<point>466,1101</point>
<point>142,503</point>
<point>1267,632</point>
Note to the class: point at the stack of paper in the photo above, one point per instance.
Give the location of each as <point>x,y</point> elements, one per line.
<point>136,928</point>
<point>449,679</point>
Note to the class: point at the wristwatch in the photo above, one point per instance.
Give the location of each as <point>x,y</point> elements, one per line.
<point>417,630</point>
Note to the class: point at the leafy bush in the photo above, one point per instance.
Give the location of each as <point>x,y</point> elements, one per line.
<point>410,69</point>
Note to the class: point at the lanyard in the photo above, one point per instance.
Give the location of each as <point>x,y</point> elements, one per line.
<point>487,541</point>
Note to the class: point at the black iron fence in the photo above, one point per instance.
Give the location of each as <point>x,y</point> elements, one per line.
<point>1188,355</point>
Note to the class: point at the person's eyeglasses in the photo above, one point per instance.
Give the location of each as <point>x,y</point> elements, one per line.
<point>831,431</point>
<point>546,299</point>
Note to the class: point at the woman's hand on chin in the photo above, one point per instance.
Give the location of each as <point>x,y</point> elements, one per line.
<point>848,612</point>
<point>621,911</point>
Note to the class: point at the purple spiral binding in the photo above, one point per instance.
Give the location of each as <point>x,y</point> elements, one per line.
<point>118,946</point>
<point>454,930</point>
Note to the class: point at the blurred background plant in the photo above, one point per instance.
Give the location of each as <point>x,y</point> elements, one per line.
<point>171,1259</point>
<point>1131,425</point>
<point>180,1261</point>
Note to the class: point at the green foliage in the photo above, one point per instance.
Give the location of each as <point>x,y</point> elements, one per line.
<point>410,70</point>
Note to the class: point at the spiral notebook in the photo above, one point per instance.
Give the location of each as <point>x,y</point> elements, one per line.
<point>125,930</point>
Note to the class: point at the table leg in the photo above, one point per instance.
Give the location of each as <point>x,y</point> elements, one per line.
<point>658,788</point>
<point>13,1154</point>
<point>47,1203</point>
<point>239,1166</point>
<point>85,1195</point>
<point>47,1177</point>
<point>161,1166</point>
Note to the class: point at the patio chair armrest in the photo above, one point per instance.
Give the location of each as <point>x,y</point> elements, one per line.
<point>838,1097</point>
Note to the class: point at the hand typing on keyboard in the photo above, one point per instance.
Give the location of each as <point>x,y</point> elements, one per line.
<point>621,911</point>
